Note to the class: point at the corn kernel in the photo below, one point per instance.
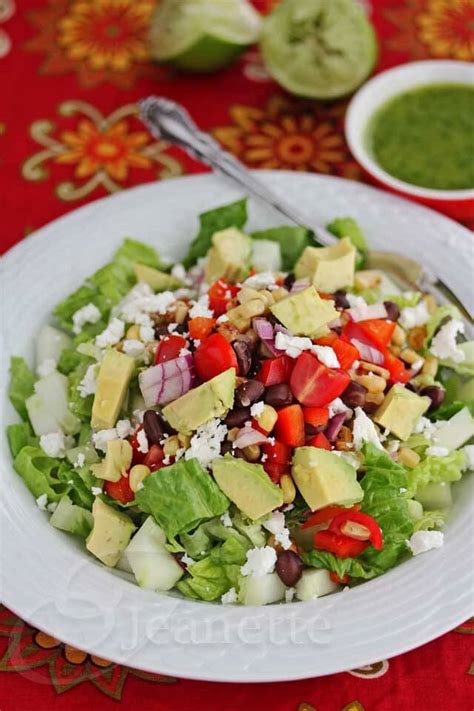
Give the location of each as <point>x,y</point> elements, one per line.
<point>136,475</point>
<point>251,453</point>
<point>171,446</point>
<point>373,383</point>
<point>268,418</point>
<point>408,457</point>
<point>288,489</point>
<point>430,366</point>
<point>399,336</point>
<point>430,302</point>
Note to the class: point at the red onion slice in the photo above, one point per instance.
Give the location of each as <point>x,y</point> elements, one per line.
<point>334,426</point>
<point>371,355</point>
<point>248,436</point>
<point>263,328</point>
<point>167,381</point>
<point>366,312</point>
<point>299,285</point>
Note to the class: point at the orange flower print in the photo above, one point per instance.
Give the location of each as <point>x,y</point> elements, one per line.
<point>101,151</point>
<point>71,654</point>
<point>289,135</point>
<point>100,40</point>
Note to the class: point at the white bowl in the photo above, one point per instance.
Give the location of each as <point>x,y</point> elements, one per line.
<point>51,581</point>
<point>373,95</point>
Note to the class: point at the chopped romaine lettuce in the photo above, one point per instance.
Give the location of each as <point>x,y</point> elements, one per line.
<point>406,300</point>
<point>348,227</point>
<point>434,322</point>
<point>19,436</point>
<point>214,575</point>
<point>39,473</point>
<point>292,241</point>
<point>435,469</point>
<point>232,215</point>
<point>466,366</point>
<point>21,385</point>
<point>134,252</point>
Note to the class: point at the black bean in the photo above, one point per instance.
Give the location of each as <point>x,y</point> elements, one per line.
<point>393,310</point>
<point>278,395</point>
<point>154,427</point>
<point>340,300</point>
<point>226,447</point>
<point>161,331</point>
<point>354,395</point>
<point>244,356</point>
<point>248,393</point>
<point>237,417</point>
<point>182,327</point>
<point>289,281</point>
<point>435,394</point>
<point>289,568</point>
<point>408,386</point>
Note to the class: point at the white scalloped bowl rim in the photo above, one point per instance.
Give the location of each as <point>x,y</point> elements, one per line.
<point>385,86</point>
<point>49,579</point>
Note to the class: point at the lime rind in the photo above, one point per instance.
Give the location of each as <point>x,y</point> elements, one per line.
<point>320,49</point>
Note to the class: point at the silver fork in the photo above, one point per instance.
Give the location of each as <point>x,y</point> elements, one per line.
<point>170,122</point>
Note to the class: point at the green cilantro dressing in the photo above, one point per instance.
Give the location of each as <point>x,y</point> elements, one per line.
<point>426,137</point>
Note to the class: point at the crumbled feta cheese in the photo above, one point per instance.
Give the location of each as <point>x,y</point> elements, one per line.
<point>356,302</point>
<point>201,308</point>
<point>138,415</point>
<point>327,356</point>
<point>226,519</point>
<point>425,427</point>
<point>337,406</point>
<point>417,366</point>
<point>412,316</point>
<point>402,490</point>
<point>295,345</point>
<point>100,438</point>
<point>196,343</point>
<point>96,490</point>
<point>187,560</point>
<point>364,430</point>
<point>142,301</point>
<point>88,314</point>
<point>393,446</point>
<point>437,451</point>
<point>124,428</point>
<point>423,541</point>
<point>133,347</point>
<point>47,367</point>
<point>444,344</point>
<point>42,502</point>
<point>80,461</point>
<point>288,507</point>
<point>257,408</point>
<point>289,594</point>
<point>88,384</point>
<point>172,327</point>
<point>222,319</point>
<point>469,457</point>
<point>264,458</point>
<point>349,457</point>
<point>262,280</point>
<point>230,597</point>
<point>147,334</point>
<point>53,444</point>
<point>112,334</point>
<point>184,352</point>
<point>276,525</point>
<point>179,272</point>
<point>271,440</point>
<point>206,442</point>
<point>260,561</point>
<point>142,442</point>
<point>166,460</point>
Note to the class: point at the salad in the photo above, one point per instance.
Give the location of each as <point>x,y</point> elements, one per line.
<point>265,421</point>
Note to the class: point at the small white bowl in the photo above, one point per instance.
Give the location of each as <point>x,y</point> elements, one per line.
<point>374,94</point>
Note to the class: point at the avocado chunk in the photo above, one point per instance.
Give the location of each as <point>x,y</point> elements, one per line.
<point>305,313</point>
<point>248,486</point>
<point>158,281</point>
<point>211,399</point>
<point>323,478</point>
<point>229,257</point>
<point>117,460</point>
<point>329,268</point>
<point>401,410</point>
<point>110,534</point>
<point>112,382</point>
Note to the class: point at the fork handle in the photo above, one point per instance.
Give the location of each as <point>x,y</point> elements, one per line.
<point>171,122</point>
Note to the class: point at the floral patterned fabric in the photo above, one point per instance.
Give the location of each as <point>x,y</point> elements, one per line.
<point>72,72</point>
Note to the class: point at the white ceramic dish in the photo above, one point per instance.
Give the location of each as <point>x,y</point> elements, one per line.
<point>374,94</point>
<point>52,583</point>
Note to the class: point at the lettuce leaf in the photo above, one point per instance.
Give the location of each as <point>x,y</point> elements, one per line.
<point>19,436</point>
<point>39,473</point>
<point>80,406</point>
<point>181,496</point>
<point>436,469</point>
<point>21,385</point>
<point>292,241</point>
<point>132,252</point>
<point>232,215</point>
<point>430,520</point>
<point>434,322</point>
<point>407,299</point>
<point>466,367</point>
<point>445,412</point>
<point>348,227</point>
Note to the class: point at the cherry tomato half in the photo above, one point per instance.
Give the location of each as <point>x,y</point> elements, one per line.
<point>214,356</point>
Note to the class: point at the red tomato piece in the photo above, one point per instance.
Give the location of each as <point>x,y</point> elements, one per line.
<point>341,580</point>
<point>320,440</point>
<point>289,428</point>
<point>220,293</point>
<point>375,332</point>
<point>315,385</point>
<point>138,456</point>
<point>346,353</point>
<point>275,471</point>
<point>214,356</point>
<point>276,452</point>
<point>200,327</point>
<point>275,370</point>
<point>119,490</point>
<point>396,368</point>
<point>153,459</point>
<point>169,348</point>
<point>341,546</point>
<point>316,416</point>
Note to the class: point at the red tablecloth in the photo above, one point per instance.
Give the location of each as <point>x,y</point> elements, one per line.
<point>72,70</point>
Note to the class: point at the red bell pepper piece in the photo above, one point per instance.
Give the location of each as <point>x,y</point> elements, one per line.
<point>341,525</point>
<point>275,370</point>
<point>276,452</point>
<point>220,293</point>
<point>327,514</point>
<point>316,416</point>
<point>214,356</point>
<point>275,471</point>
<point>339,579</point>
<point>119,490</point>
<point>320,440</point>
<point>200,327</point>
<point>289,428</point>
<point>169,348</point>
<point>315,385</point>
<point>154,457</point>
<point>341,546</point>
<point>375,332</point>
<point>396,368</point>
<point>346,352</point>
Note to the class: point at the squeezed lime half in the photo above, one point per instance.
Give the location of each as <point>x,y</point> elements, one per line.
<point>321,49</point>
<point>202,35</point>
